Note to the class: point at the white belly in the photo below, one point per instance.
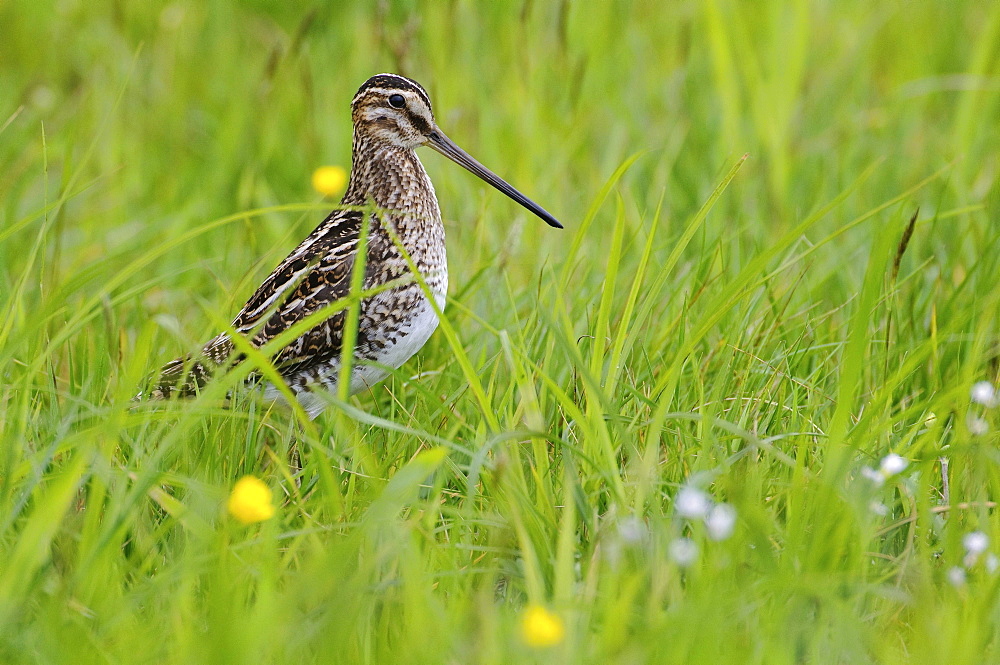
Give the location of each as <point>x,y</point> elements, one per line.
<point>411,336</point>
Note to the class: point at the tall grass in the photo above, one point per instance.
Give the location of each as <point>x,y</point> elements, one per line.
<point>755,327</point>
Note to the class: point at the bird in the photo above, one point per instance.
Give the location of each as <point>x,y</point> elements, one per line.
<point>389,203</point>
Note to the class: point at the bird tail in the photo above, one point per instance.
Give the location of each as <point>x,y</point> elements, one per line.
<point>182,377</point>
<point>185,376</point>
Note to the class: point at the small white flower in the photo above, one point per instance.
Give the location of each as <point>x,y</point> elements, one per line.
<point>692,503</point>
<point>892,464</point>
<point>977,426</point>
<point>720,521</point>
<point>683,551</point>
<point>956,576</point>
<point>984,393</point>
<point>991,563</point>
<point>871,474</point>
<point>878,508</point>
<point>631,530</point>
<point>975,542</point>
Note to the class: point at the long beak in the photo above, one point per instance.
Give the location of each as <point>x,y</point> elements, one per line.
<point>447,147</point>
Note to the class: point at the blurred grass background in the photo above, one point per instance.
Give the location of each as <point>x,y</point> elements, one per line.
<point>156,161</point>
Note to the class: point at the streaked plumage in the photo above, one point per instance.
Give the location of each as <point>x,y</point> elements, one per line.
<point>392,116</point>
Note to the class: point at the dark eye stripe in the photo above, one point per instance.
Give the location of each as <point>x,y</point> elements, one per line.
<point>418,121</point>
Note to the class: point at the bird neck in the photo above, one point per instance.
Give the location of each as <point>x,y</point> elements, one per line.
<point>389,175</point>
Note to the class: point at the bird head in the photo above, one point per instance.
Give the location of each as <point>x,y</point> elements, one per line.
<point>394,110</point>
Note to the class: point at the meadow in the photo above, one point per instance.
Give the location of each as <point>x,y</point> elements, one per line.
<point>741,409</point>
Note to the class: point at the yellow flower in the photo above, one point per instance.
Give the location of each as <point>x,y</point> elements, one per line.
<point>250,501</point>
<point>541,628</point>
<point>328,180</point>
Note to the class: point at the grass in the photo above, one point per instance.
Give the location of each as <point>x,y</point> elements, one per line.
<point>753,327</point>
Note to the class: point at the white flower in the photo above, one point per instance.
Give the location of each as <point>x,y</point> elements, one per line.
<point>871,474</point>
<point>892,464</point>
<point>984,393</point>
<point>992,563</point>
<point>977,426</point>
<point>878,508</point>
<point>956,576</point>
<point>683,551</point>
<point>975,542</point>
<point>631,530</point>
<point>692,503</point>
<point>720,521</point>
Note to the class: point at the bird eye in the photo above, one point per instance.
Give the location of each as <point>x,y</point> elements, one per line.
<point>397,101</point>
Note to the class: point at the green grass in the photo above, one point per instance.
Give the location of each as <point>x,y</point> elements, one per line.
<point>735,325</point>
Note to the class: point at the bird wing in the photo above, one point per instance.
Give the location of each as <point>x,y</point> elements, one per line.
<point>332,244</point>
<point>315,274</point>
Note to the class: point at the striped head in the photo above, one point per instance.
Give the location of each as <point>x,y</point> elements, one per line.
<point>393,109</point>
<point>390,109</point>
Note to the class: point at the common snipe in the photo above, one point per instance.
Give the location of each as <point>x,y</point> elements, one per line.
<point>392,116</point>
